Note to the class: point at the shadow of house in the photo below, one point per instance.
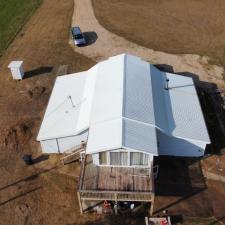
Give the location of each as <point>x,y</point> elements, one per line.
<point>164,68</point>
<point>211,103</point>
<point>90,37</point>
<point>182,178</point>
<point>121,219</point>
<point>39,71</point>
<point>178,177</point>
<point>212,106</point>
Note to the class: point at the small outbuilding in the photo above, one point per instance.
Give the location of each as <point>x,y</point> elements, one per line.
<point>16,70</point>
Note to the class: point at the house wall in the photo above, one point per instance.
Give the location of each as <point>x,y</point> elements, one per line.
<point>49,146</point>
<point>59,145</point>
<point>172,146</point>
<point>96,156</point>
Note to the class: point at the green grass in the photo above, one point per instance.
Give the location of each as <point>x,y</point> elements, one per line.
<point>13,16</point>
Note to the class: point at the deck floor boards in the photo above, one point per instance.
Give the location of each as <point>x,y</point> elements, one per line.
<point>116,178</point>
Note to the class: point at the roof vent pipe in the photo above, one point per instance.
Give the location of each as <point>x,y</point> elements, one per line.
<point>71,100</point>
<point>167,84</point>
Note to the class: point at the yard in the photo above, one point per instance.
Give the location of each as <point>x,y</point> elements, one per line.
<point>33,195</point>
<point>13,15</point>
<point>187,26</point>
<point>45,193</point>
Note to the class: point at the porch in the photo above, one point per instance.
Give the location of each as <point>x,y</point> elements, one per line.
<point>114,183</point>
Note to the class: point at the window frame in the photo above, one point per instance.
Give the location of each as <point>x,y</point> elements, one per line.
<point>129,155</point>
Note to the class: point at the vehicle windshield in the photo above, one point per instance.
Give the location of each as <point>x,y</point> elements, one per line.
<point>78,36</point>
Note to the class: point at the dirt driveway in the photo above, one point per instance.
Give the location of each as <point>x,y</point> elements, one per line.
<point>36,194</point>
<point>42,194</point>
<point>108,44</point>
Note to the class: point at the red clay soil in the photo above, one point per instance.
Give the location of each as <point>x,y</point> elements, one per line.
<point>44,193</point>
<point>32,194</point>
<point>187,26</point>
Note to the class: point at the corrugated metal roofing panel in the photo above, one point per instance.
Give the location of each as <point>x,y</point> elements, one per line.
<point>139,136</point>
<point>108,95</point>
<point>158,85</point>
<point>137,99</point>
<point>124,88</point>
<point>88,95</point>
<point>62,112</point>
<point>185,115</point>
<point>105,136</point>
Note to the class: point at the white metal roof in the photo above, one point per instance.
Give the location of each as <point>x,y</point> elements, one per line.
<point>123,101</point>
<point>15,64</point>
<point>62,113</point>
<point>184,111</point>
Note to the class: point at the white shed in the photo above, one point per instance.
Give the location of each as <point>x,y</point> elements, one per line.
<point>124,111</point>
<point>16,70</point>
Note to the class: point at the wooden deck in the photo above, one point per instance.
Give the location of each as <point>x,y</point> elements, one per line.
<point>115,183</point>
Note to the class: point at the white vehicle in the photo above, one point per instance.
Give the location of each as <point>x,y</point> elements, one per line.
<point>78,36</point>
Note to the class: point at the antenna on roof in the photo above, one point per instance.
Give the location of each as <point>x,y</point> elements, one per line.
<point>167,84</point>
<point>71,100</point>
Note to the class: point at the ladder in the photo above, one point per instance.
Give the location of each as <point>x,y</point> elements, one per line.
<point>73,154</point>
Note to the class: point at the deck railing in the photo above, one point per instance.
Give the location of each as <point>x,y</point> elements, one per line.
<point>114,195</point>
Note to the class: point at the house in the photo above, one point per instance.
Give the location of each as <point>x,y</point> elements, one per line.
<point>127,112</point>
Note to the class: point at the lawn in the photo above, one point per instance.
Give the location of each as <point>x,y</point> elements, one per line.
<point>175,26</point>
<point>13,15</point>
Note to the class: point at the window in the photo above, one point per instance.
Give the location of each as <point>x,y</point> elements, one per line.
<point>138,158</point>
<point>103,158</point>
<point>119,158</point>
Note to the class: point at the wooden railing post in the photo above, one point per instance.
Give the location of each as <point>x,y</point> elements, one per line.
<point>80,203</point>
<point>152,204</point>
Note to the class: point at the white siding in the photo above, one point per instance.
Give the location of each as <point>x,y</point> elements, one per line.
<point>60,145</point>
<point>49,146</point>
<point>95,158</point>
<point>67,143</point>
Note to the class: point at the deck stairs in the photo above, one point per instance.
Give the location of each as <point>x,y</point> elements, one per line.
<point>73,154</point>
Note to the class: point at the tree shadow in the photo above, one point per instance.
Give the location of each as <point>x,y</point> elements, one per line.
<point>20,195</point>
<point>28,178</point>
<point>39,71</point>
<point>220,220</point>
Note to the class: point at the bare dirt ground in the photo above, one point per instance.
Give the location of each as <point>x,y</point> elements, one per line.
<point>188,193</point>
<point>108,44</point>
<point>188,27</point>
<point>45,193</point>
<point>36,194</point>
